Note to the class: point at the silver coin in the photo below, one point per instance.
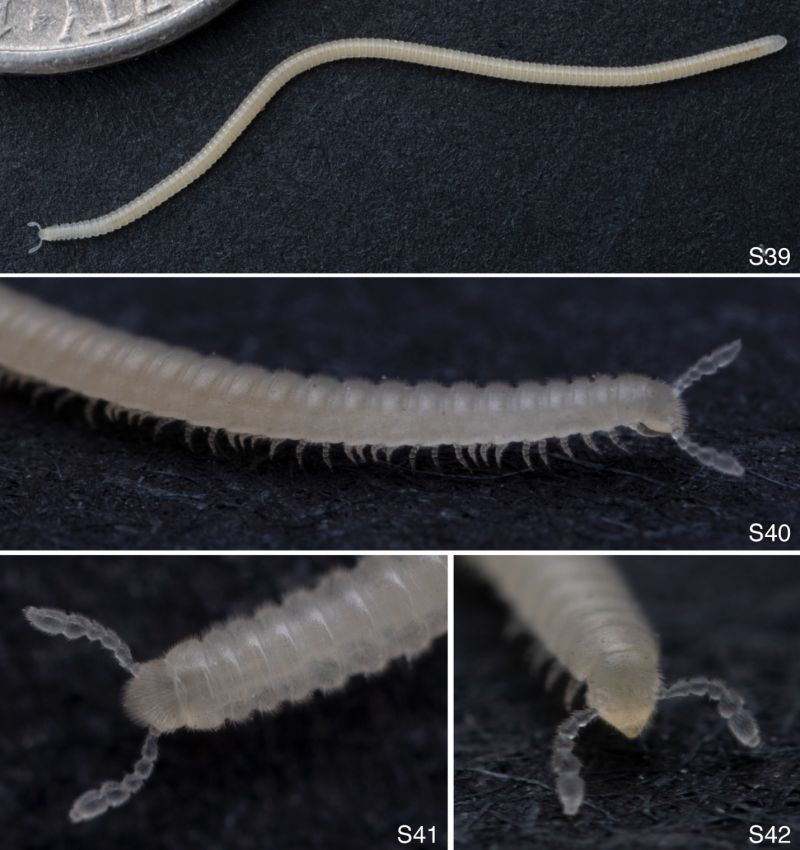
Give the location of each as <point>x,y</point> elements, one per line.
<point>50,36</point>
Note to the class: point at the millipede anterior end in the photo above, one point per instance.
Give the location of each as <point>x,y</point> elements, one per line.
<point>356,602</point>
<point>38,235</point>
<point>584,617</point>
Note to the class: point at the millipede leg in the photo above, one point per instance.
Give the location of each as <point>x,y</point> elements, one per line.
<point>590,443</point>
<point>574,687</point>
<point>542,446</point>
<point>730,705</point>
<point>538,656</point>
<point>526,454</point>
<point>63,398</point>
<point>499,451</point>
<point>160,424</point>
<point>89,412</point>
<point>616,438</point>
<point>556,671</point>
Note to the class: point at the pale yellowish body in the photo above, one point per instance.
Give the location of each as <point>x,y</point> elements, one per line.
<point>148,378</point>
<point>399,51</point>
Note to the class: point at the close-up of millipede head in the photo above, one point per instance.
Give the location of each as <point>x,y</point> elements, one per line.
<point>591,632</point>
<point>352,622</point>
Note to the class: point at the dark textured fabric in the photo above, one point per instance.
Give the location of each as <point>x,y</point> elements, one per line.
<point>67,486</point>
<point>342,770</point>
<point>687,782</point>
<point>370,166</point>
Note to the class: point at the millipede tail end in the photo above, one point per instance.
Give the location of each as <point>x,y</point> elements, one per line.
<point>38,236</point>
<point>774,43</point>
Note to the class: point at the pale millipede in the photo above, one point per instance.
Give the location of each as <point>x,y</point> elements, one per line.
<point>354,621</point>
<point>590,628</point>
<point>411,53</point>
<point>138,378</point>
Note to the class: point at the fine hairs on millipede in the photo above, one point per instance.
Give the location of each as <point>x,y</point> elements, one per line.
<point>591,631</point>
<point>397,51</point>
<point>355,621</point>
<point>137,378</point>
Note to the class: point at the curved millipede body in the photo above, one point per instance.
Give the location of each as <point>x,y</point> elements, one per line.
<point>145,378</point>
<point>398,51</point>
<point>589,626</point>
<point>353,622</point>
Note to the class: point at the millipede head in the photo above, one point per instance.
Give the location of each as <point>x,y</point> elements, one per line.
<point>623,688</point>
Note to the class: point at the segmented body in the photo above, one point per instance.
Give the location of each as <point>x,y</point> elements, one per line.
<point>581,610</point>
<point>352,622</point>
<point>584,616</point>
<point>149,378</point>
<point>407,52</point>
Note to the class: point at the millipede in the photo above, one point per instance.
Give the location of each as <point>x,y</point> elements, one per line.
<point>137,379</point>
<point>354,621</point>
<point>592,632</point>
<point>409,53</point>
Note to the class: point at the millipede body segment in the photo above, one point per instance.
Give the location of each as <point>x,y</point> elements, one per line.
<point>146,378</point>
<point>398,51</point>
<point>589,628</point>
<point>355,621</point>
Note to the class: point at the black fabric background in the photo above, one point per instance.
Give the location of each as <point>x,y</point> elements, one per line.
<point>369,166</point>
<point>66,486</point>
<point>687,782</point>
<point>343,770</point>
